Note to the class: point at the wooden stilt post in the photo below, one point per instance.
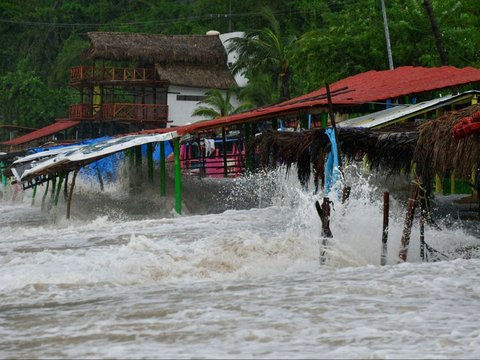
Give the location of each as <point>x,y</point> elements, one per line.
<point>407,227</point>
<point>178,174</point>
<point>423,217</point>
<point>131,166</point>
<point>248,157</point>
<point>99,176</point>
<point>138,166</point>
<point>65,187</point>
<point>224,143</point>
<point>52,195</point>
<point>59,187</point>
<point>163,176</point>
<point>33,194</point>
<point>422,235</point>
<point>138,159</point>
<point>386,210</point>
<point>324,213</point>
<point>45,195</point>
<point>4,177</point>
<point>150,162</point>
<point>70,195</point>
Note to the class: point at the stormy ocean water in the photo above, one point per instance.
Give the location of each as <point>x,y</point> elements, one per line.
<point>236,276</point>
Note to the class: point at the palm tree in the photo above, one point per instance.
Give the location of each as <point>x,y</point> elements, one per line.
<point>265,51</point>
<point>215,105</point>
<point>436,32</point>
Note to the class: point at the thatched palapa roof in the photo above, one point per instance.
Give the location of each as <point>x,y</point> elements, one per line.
<point>191,60</point>
<point>431,147</point>
<point>197,76</point>
<point>438,152</point>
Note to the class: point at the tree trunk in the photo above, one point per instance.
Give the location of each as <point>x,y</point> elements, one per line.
<point>436,32</point>
<point>285,85</point>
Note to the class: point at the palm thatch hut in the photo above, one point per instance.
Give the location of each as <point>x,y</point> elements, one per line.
<point>190,60</point>
<point>431,146</point>
<point>439,152</point>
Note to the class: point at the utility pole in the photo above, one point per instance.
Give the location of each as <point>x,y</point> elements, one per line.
<point>387,35</point>
<point>436,32</point>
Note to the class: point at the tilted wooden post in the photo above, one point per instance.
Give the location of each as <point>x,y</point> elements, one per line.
<point>45,195</point>
<point>178,176</point>
<point>99,176</point>
<point>224,142</point>
<point>70,195</point>
<point>150,162</point>
<point>386,210</point>
<point>324,214</point>
<point>163,176</point>
<point>59,188</point>
<point>33,195</point>
<point>407,226</point>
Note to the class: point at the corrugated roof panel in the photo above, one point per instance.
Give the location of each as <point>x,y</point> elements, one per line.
<point>45,131</point>
<point>363,88</point>
<point>401,111</point>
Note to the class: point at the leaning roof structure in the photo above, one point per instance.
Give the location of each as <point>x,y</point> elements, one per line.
<point>190,60</point>
<point>375,85</point>
<point>368,87</point>
<point>401,112</point>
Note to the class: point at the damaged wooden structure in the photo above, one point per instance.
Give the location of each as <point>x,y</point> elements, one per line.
<point>131,82</point>
<point>428,150</point>
<point>391,148</point>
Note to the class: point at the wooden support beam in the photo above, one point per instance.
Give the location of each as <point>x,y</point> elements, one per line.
<point>52,195</point>
<point>178,175</point>
<point>224,143</point>
<point>45,195</point>
<point>163,177</point>
<point>65,187</point>
<point>150,162</point>
<point>386,210</point>
<point>407,227</point>
<point>70,195</point>
<point>4,177</point>
<point>59,187</point>
<point>99,176</point>
<point>248,156</point>
<point>138,159</point>
<point>33,194</point>
<point>423,212</point>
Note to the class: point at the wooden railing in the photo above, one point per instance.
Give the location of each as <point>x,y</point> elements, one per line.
<point>135,112</point>
<point>80,111</point>
<point>90,73</point>
<point>120,111</point>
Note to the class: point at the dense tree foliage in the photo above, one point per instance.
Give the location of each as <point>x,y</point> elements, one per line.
<point>41,39</point>
<point>216,105</point>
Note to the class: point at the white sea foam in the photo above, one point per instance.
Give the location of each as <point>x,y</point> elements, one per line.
<point>241,283</point>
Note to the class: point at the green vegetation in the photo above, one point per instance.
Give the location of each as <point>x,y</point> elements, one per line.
<point>318,41</point>
<point>215,105</point>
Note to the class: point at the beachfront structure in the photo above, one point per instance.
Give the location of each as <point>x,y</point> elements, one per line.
<point>144,81</point>
<point>132,82</point>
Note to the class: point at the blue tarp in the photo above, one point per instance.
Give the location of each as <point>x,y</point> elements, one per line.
<point>331,166</point>
<point>108,166</point>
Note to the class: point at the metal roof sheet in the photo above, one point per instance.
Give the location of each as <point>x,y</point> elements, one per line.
<point>363,88</point>
<point>45,131</point>
<point>401,111</point>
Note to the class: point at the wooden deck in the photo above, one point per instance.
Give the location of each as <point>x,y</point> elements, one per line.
<point>125,112</point>
<point>82,75</point>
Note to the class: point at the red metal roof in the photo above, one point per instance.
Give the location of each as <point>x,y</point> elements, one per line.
<point>388,84</point>
<point>45,131</point>
<point>363,88</point>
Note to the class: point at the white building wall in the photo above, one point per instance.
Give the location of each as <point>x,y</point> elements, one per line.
<point>233,56</point>
<point>180,111</point>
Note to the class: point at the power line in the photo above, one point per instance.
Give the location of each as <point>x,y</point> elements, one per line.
<point>164,21</point>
